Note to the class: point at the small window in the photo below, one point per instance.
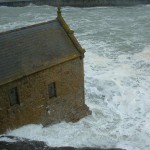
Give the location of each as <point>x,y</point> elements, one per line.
<point>52,90</point>
<point>13,96</point>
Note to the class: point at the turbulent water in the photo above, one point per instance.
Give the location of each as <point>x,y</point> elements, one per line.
<point>117,75</point>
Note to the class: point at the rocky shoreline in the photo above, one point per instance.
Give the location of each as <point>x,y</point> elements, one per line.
<point>16,143</point>
<point>74,3</point>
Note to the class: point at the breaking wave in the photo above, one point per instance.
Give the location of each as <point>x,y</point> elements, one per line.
<point>117,76</point>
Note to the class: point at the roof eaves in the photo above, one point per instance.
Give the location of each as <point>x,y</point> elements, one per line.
<point>22,75</point>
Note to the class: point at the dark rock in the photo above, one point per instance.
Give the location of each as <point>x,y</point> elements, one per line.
<point>75,3</point>
<point>25,144</point>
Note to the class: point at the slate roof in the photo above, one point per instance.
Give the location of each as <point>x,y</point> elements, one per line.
<point>34,48</point>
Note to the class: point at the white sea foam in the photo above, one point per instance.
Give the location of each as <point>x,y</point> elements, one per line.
<point>6,139</point>
<point>117,77</point>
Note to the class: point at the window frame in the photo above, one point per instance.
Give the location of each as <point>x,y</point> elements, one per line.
<point>13,96</point>
<point>52,92</point>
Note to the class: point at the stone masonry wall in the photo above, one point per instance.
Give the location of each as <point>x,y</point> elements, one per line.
<point>35,104</point>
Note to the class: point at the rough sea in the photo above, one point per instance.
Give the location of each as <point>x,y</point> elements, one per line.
<point>117,75</point>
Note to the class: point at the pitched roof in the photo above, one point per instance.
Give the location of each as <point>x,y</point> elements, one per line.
<point>31,49</point>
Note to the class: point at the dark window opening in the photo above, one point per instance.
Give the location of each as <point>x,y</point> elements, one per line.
<point>52,90</point>
<point>13,96</point>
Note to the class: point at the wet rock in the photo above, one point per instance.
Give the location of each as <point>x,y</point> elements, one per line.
<point>74,3</point>
<point>16,143</point>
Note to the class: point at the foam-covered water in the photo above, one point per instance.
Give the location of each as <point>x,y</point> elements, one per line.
<point>117,75</point>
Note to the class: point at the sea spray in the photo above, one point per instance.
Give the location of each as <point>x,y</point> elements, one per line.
<point>117,75</point>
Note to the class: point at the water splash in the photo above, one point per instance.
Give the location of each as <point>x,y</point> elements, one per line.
<point>117,76</point>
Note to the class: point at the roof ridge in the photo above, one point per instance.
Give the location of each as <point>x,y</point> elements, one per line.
<point>34,48</point>
<point>26,27</point>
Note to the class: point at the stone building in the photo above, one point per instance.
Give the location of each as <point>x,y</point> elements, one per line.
<point>41,75</point>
